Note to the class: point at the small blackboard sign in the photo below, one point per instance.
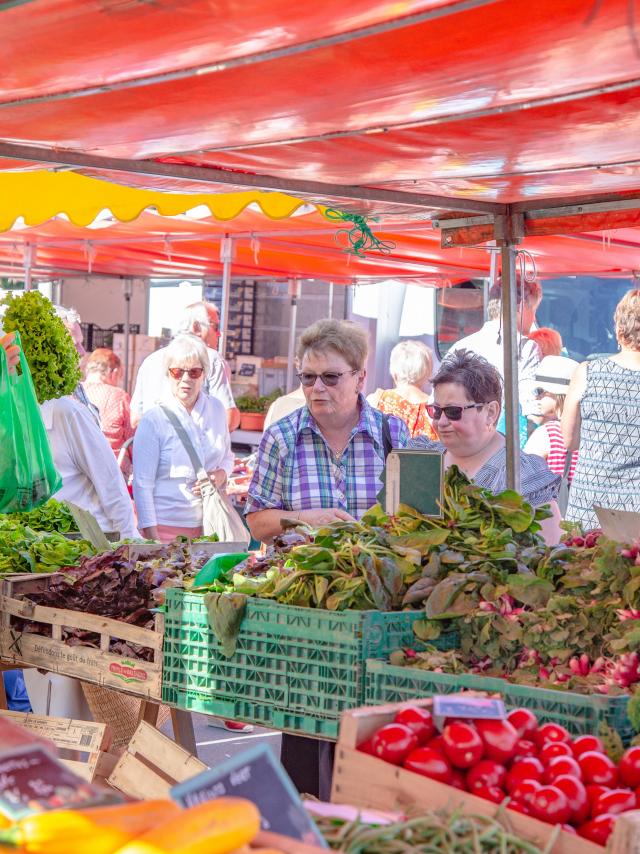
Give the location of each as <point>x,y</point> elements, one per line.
<point>33,780</point>
<point>413,477</point>
<point>254,774</point>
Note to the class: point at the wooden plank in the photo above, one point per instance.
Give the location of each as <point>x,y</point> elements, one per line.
<point>152,764</point>
<point>183,733</point>
<point>277,842</point>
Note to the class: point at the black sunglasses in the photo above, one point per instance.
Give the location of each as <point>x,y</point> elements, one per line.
<point>453,413</point>
<point>329,378</point>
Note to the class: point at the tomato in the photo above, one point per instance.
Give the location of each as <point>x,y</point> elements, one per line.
<point>568,828</point>
<point>524,747</point>
<point>436,743</point>
<point>524,769</point>
<point>629,767</point>
<point>500,739</point>
<point>614,802</point>
<point>585,743</point>
<point>367,747</point>
<point>525,790</point>
<point>462,745</point>
<point>598,768</point>
<point>429,763</point>
<point>393,742</point>
<point>490,793</point>
<point>599,829</point>
<point>458,780</point>
<point>419,720</point>
<point>562,766</point>
<point>519,806</point>
<point>551,732</point>
<point>524,722</point>
<point>486,773</point>
<point>594,791</point>
<point>637,794</point>
<point>551,805</point>
<point>553,749</point>
<point>576,795</point>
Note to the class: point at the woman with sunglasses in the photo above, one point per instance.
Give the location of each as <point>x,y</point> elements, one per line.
<point>164,479</point>
<point>467,394</point>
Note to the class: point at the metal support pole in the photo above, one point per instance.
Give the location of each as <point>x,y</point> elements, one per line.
<point>226,255</point>
<point>330,313</point>
<point>128,290</point>
<point>28,258</point>
<point>295,288</point>
<point>510,354</point>
<point>493,275</point>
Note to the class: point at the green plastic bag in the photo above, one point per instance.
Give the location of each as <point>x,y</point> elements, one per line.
<point>28,476</point>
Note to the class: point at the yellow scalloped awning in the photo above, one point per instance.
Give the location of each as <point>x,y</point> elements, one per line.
<point>39,196</point>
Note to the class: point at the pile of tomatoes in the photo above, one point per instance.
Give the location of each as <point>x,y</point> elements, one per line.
<point>540,768</point>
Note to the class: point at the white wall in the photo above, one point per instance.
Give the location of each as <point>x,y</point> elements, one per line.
<point>101,300</point>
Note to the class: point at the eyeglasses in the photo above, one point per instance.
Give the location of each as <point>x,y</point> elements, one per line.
<point>329,378</point>
<point>453,413</point>
<point>539,392</point>
<point>194,373</point>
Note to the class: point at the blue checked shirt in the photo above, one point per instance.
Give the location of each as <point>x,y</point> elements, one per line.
<point>297,470</point>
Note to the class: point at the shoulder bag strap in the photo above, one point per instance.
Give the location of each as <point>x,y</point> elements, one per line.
<point>567,465</point>
<point>387,443</point>
<point>186,442</point>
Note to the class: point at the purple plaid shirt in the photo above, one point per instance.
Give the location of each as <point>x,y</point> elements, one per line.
<point>297,470</point>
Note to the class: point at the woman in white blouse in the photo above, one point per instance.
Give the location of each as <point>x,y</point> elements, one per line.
<point>164,480</point>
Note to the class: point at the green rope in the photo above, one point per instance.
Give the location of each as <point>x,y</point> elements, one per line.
<point>361,238</point>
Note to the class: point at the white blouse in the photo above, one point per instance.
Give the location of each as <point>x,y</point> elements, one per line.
<point>163,476</point>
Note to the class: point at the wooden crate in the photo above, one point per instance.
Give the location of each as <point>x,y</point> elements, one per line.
<point>365,781</point>
<point>152,764</point>
<point>82,745</point>
<point>99,666</point>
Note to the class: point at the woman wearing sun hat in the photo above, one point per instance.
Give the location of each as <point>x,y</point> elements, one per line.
<point>553,376</point>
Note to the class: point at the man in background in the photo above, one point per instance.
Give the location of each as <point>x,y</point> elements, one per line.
<point>200,319</point>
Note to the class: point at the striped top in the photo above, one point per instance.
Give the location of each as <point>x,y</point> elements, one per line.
<point>558,450</point>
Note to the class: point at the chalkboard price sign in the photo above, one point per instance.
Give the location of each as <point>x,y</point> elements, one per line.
<point>256,775</point>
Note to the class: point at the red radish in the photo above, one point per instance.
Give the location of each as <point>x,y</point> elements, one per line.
<point>524,769</point>
<point>576,795</point>
<point>586,743</point>
<point>551,732</point>
<point>524,721</point>
<point>486,773</point>
<point>419,720</point>
<point>614,802</point>
<point>599,829</point>
<point>393,742</point>
<point>429,763</point>
<point>551,805</point>
<point>462,745</point>
<point>598,768</point>
<point>562,766</point>
<point>629,767</point>
<point>553,749</point>
<point>500,739</point>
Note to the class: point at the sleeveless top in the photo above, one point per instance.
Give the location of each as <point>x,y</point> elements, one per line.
<point>558,450</point>
<point>608,469</point>
<point>414,415</point>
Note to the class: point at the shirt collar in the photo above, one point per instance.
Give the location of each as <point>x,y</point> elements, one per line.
<point>366,424</point>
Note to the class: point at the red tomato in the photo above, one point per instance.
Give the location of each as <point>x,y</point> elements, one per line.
<point>551,805</point>
<point>524,747</point>
<point>613,802</point>
<point>551,732</point>
<point>576,795</point>
<point>524,721</point>
<point>500,739</point>
<point>598,768</point>
<point>562,766</point>
<point>486,773</point>
<point>367,747</point>
<point>419,720</point>
<point>599,829</point>
<point>553,749</point>
<point>393,742</point>
<point>458,780</point>
<point>518,806</point>
<point>594,791</point>
<point>436,743</point>
<point>629,767</point>
<point>525,790</point>
<point>429,763</point>
<point>637,793</point>
<point>462,745</point>
<point>529,768</point>
<point>568,828</point>
<point>490,793</point>
<point>584,743</point>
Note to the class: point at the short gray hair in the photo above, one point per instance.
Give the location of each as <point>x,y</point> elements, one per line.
<point>342,336</point>
<point>193,316</point>
<point>186,347</point>
<point>410,362</point>
<point>532,295</point>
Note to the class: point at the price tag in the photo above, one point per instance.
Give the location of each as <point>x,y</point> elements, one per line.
<point>461,706</point>
<point>256,775</point>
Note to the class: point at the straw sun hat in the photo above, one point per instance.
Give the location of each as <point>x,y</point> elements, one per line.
<point>554,373</point>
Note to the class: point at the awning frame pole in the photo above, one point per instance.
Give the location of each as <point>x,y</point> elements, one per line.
<point>510,354</point>
<point>28,259</point>
<point>127,287</point>
<point>226,256</point>
<point>295,288</point>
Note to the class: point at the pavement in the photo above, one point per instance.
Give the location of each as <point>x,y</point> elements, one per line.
<point>215,744</point>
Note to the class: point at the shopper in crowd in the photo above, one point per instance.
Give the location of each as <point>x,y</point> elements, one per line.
<point>410,366</point>
<point>548,340</point>
<point>200,320</point>
<point>72,322</point>
<point>553,377</point>
<point>467,399</point>
<point>601,418</point>
<point>488,342</point>
<point>284,405</point>
<point>322,464</point>
<point>102,386</point>
<point>167,497</point>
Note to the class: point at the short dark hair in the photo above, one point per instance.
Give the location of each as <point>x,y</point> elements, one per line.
<point>480,380</point>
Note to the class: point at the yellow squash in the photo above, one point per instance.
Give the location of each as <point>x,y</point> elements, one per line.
<point>98,830</point>
<point>214,827</point>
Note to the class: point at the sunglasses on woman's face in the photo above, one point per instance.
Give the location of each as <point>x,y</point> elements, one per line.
<point>453,413</point>
<point>540,392</point>
<point>194,373</point>
<point>329,378</point>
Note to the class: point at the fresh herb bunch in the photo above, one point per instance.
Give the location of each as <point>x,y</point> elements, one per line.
<point>25,550</point>
<point>48,347</point>
<point>54,517</point>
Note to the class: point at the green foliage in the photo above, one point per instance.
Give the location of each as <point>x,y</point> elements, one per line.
<point>54,516</point>
<point>25,550</point>
<point>250,403</point>
<point>48,347</point>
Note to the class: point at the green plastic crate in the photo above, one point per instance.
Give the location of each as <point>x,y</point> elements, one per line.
<point>295,669</point>
<point>579,713</point>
